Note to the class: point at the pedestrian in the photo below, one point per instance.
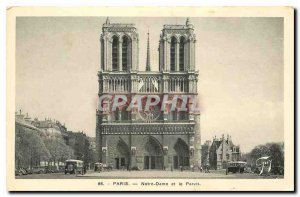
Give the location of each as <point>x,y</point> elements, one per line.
<point>201,169</point>
<point>206,168</point>
<point>192,167</point>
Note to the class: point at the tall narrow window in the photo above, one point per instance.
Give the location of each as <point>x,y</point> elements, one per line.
<point>115,45</point>
<point>181,54</point>
<point>125,53</point>
<point>173,51</point>
<point>102,54</point>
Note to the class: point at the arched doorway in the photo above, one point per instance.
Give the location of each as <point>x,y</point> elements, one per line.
<point>122,155</point>
<point>153,154</point>
<point>182,154</point>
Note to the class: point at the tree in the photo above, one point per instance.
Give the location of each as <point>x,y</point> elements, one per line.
<point>274,150</point>
<point>59,151</point>
<point>30,148</point>
<point>277,153</point>
<point>81,146</point>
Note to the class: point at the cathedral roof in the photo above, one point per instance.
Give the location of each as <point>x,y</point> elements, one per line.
<point>108,26</point>
<point>187,25</point>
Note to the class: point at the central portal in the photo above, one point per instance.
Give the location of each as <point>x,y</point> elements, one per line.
<point>153,162</point>
<point>153,157</point>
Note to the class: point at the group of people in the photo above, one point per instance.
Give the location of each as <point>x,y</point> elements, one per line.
<point>206,169</point>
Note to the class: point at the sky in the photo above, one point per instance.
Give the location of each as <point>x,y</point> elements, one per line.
<point>240,64</point>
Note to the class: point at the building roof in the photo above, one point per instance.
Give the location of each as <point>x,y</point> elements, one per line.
<point>218,142</point>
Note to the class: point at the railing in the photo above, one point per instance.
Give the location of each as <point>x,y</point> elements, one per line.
<point>178,84</point>
<point>153,128</point>
<point>145,122</point>
<point>116,84</point>
<point>146,82</point>
<point>149,83</point>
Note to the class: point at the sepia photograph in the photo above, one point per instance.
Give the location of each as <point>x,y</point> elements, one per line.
<point>186,99</point>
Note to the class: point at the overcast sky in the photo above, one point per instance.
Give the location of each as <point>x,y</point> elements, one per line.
<point>240,63</point>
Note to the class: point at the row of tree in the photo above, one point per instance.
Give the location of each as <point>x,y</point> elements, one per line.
<point>81,146</point>
<point>35,146</point>
<point>274,150</point>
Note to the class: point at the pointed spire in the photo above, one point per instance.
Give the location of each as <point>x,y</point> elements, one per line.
<point>107,21</point>
<point>148,68</point>
<point>187,21</point>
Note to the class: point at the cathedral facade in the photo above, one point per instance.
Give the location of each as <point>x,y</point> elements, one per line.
<point>164,136</point>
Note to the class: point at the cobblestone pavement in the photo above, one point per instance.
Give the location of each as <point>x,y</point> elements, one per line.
<point>215,174</point>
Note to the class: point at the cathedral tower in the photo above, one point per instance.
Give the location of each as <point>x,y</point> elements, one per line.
<point>119,47</point>
<point>177,48</point>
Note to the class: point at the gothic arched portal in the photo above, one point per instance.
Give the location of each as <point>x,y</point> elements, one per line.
<point>182,154</point>
<point>153,154</point>
<point>122,155</point>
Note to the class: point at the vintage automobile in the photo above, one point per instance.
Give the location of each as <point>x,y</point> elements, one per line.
<point>38,170</point>
<point>21,171</point>
<point>74,166</point>
<point>236,166</point>
<point>277,170</point>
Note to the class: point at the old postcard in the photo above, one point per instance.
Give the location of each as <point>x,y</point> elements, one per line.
<point>150,99</point>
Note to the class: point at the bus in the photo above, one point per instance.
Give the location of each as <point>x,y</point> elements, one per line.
<point>236,166</point>
<point>74,166</point>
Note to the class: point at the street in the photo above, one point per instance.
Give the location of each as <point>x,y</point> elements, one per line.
<point>153,174</point>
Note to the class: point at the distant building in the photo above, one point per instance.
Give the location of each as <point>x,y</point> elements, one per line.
<point>220,151</point>
<point>92,141</point>
<point>48,125</point>
<point>23,121</point>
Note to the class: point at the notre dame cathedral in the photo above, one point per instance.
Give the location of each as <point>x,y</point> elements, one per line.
<point>153,139</point>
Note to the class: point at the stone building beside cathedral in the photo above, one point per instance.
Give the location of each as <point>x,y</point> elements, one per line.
<point>152,139</point>
<point>217,153</point>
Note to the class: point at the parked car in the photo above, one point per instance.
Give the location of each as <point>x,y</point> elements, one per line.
<point>236,166</point>
<point>29,171</point>
<point>21,171</point>
<point>277,170</point>
<point>18,173</point>
<point>48,170</point>
<point>38,170</point>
